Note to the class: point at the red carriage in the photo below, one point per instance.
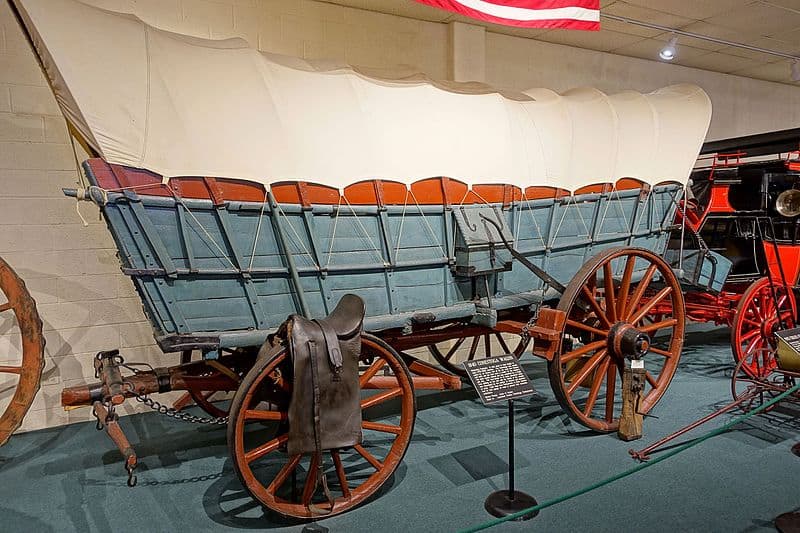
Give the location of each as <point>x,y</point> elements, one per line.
<point>743,210</point>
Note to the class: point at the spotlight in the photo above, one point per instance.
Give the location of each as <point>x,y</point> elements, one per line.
<point>796,70</point>
<point>668,53</point>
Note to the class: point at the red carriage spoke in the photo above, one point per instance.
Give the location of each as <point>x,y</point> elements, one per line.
<point>340,473</point>
<point>368,456</point>
<point>385,428</point>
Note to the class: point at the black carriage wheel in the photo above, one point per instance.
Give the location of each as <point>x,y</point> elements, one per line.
<point>620,286</point>
<point>257,436</point>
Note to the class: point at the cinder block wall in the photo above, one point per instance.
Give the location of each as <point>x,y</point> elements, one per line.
<point>85,302</point>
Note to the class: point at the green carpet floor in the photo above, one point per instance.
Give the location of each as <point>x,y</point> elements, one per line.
<point>71,478</point>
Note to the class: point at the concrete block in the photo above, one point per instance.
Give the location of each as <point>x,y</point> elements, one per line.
<point>55,130</point>
<point>35,156</point>
<point>33,100</point>
<point>71,236</point>
<point>20,67</point>
<point>43,211</point>
<point>27,237</point>
<point>137,334</point>
<point>5,98</point>
<point>15,127</point>
<point>87,338</point>
<point>87,288</point>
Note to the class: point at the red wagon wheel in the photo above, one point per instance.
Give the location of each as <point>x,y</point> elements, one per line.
<point>755,323</point>
<point>617,289</point>
<point>257,436</point>
<point>21,371</point>
<point>452,354</point>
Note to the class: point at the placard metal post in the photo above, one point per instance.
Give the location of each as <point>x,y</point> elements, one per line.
<point>497,379</point>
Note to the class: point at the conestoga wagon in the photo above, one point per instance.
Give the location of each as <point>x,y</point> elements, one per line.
<point>242,187</point>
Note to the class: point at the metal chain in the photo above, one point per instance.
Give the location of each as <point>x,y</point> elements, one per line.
<point>526,329</point>
<point>179,415</point>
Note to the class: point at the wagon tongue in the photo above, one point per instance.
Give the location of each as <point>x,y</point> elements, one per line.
<point>626,341</point>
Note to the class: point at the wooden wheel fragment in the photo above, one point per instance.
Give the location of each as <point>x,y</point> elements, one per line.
<point>257,436</point>
<point>20,370</point>
<point>618,289</point>
<point>452,354</point>
<point>755,323</point>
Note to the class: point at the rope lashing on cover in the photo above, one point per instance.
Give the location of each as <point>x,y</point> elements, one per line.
<point>637,468</point>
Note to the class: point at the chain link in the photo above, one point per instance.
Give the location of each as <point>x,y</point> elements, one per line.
<point>179,415</point>
<point>526,329</point>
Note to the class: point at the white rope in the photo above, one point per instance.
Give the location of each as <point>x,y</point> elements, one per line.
<point>221,251</point>
<point>378,252</point>
<point>529,209</point>
<point>333,236</point>
<point>299,240</point>
<point>258,230</point>
<point>430,229</point>
<point>402,220</point>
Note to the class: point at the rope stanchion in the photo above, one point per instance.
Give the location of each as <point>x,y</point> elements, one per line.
<point>637,468</point>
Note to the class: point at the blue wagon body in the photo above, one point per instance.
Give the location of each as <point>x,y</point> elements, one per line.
<point>221,276</point>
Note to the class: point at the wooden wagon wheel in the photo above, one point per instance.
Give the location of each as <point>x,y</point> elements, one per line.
<point>285,484</point>
<point>617,289</point>
<point>755,323</point>
<point>212,402</point>
<point>29,369</point>
<point>475,347</point>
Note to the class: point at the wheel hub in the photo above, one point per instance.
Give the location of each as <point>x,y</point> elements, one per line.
<point>625,341</point>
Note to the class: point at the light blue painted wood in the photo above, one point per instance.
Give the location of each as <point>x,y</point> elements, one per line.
<point>400,259</point>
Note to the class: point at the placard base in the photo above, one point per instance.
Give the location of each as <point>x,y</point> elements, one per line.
<point>500,504</point>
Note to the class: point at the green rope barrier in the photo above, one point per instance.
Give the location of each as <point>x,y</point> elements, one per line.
<point>637,468</point>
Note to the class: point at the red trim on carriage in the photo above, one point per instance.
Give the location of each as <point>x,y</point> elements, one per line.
<point>790,260</point>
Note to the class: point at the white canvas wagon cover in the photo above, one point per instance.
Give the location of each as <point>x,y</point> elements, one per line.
<point>184,106</point>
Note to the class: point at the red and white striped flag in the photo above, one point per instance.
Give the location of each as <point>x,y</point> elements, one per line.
<point>569,14</point>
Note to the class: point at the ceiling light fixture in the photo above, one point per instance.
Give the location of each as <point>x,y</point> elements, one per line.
<point>677,32</point>
<point>669,52</point>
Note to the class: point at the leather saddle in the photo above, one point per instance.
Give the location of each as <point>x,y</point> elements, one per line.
<point>325,406</point>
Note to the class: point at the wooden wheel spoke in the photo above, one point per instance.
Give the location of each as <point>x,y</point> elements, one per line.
<point>385,396</point>
<point>502,343</point>
<point>10,369</point>
<point>260,414</point>
<point>658,325</point>
<point>268,447</point>
<point>283,474</point>
<point>589,298</point>
<point>587,328</point>
<point>452,351</point>
<point>625,286</point>
<point>610,391</point>
<point>590,365</point>
<point>371,459</point>
<point>600,375</point>
<point>659,351</point>
<point>370,372</point>
<point>651,380</point>
<point>569,356</point>
<point>340,474</point>
<point>752,322</point>
<point>311,479</point>
<point>384,428</point>
<point>474,347</point>
<point>652,302</point>
<point>608,292</point>
<point>640,290</point>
